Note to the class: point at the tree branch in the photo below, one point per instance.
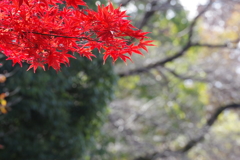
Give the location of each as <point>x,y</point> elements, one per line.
<point>160,63</point>
<point>151,12</point>
<point>175,56</point>
<point>191,27</point>
<point>125,2</point>
<point>180,53</point>
<point>182,77</point>
<point>192,142</point>
<point>224,45</point>
<point>54,35</point>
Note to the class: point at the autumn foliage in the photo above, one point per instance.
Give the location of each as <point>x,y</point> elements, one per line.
<point>40,33</point>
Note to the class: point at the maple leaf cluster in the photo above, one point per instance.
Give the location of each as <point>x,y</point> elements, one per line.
<point>40,33</point>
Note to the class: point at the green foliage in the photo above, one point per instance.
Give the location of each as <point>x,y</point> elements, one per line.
<point>59,115</point>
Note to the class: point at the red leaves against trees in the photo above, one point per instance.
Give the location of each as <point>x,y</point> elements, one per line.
<point>38,32</point>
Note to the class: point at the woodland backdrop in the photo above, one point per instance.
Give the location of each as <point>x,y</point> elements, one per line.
<point>180,101</point>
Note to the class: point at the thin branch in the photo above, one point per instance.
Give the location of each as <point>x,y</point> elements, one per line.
<point>182,77</point>
<point>193,142</point>
<point>224,45</point>
<point>15,101</point>
<point>125,2</point>
<point>160,63</point>
<point>15,91</point>
<point>54,35</point>
<point>10,74</point>
<point>192,25</point>
<point>150,13</point>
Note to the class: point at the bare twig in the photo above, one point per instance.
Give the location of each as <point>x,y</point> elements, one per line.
<point>228,44</point>
<point>10,74</point>
<point>183,77</point>
<point>150,13</point>
<point>15,101</point>
<point>15,91</point>
<point>192,25</point>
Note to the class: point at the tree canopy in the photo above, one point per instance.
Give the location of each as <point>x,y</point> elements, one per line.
<point>42,32</point>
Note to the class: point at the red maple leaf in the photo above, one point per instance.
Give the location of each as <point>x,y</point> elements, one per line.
<point>39,33</point>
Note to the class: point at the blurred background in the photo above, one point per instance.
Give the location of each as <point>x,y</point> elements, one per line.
<point>179,102</point>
